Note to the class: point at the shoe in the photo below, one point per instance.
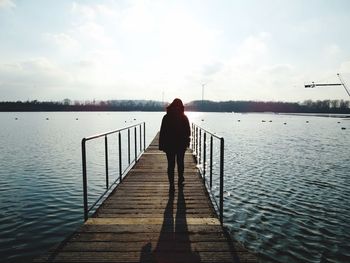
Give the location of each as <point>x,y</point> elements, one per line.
<point>181,181</point>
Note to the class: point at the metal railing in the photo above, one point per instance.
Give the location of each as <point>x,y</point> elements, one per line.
<point>199,147</point>
<point>142,146</point>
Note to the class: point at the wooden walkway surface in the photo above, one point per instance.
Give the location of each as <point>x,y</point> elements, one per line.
<point>141,221</point>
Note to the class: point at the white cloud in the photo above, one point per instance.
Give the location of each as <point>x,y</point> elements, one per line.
<point>83,11</point>
<point>63,41</point>
<point>277,69</point>
<point>92,31</point>
<point>33,78</point>
<point>345,67</point>
<point>7,4</point>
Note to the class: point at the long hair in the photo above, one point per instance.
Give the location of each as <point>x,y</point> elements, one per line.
<point>176,106</point>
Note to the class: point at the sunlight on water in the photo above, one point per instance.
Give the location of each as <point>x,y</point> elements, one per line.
<point>286,179</point>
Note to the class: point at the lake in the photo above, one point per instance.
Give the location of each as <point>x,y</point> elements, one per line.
<point>287,182</point>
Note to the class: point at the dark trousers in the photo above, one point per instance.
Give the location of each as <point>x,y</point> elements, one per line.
<point>179,156</point>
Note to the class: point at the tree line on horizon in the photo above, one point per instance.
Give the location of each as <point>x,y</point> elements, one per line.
<point>307,106</point>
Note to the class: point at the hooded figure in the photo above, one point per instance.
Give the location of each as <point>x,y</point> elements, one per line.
<point>174,139</point>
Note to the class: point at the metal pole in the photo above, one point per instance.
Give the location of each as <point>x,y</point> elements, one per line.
<point>204,154</point>
<point>192,135</point>
<point>197,144</point>
<point>140,138</point>
<point>221,180</point>
<point>144,136</point>
<point>120,157</point>
<point>106,160</point>
<point>135,143</point>
<point>211,161</point>
<point>129,146</point>
<point>200,146</point>
<point>83,154</point>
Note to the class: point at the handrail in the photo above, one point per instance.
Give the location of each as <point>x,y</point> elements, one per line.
<point>199,147</point>
<point>142,127</point>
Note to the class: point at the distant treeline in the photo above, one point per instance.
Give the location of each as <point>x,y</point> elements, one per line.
<point>67,105</point>
<point>308,106</point>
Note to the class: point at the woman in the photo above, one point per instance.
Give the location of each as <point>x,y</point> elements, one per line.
<point>174,139</point>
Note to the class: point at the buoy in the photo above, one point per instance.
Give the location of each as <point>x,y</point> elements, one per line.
<point>47,119</point>
<point>202,119</point>
<point>16,118</point>
<point>285,123</point>
<point>76,119</point>
<point>307,121</point>
<point>263,121</point>
<point>134,119</point>
<point>238,120</point>
<point>343,128</point>
<point>270,121</point>
<point>338,121</point>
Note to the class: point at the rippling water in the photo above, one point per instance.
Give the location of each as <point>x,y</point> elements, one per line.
<point>40,174</point>
<point>287,185</point>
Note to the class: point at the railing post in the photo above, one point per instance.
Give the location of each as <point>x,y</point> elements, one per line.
<point>129,146</point>
<point>140,138</point>
<point>83,154</point>
<point>211,161</point>
<point>106,161</point>
<point>197,144</point>
<point>135,135</point>
<point>195,140</point>
<point>204,153</point>
<point>192,137</point>
<point>200,146</point>
<point>120,157</point>
<point>144,136</point>
<point>221,180</point>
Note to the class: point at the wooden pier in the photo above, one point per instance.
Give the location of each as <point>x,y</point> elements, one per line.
<point>141,221</point>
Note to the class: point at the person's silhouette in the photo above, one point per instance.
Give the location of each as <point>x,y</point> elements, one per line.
<point>174,138</point>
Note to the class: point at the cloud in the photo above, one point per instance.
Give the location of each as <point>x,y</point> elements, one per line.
<point>91,23</point>
<point>345,67</point>
<point>63,41</point>
<point>33,78</point>
<point>249,73</point>
<point>7,4</point>
<point>83,11</point>
<point>332,50</point>
<point>277,69</point>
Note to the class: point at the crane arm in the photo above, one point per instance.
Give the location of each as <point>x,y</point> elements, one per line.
<point>342,83</point>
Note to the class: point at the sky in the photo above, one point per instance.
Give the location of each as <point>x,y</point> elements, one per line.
<point>264,50</point>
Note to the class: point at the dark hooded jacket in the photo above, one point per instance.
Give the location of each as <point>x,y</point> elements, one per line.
<point>175,130</point>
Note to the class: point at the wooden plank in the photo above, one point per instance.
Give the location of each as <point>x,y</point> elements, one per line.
<point>141,221</point>
<point>149,221</point>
